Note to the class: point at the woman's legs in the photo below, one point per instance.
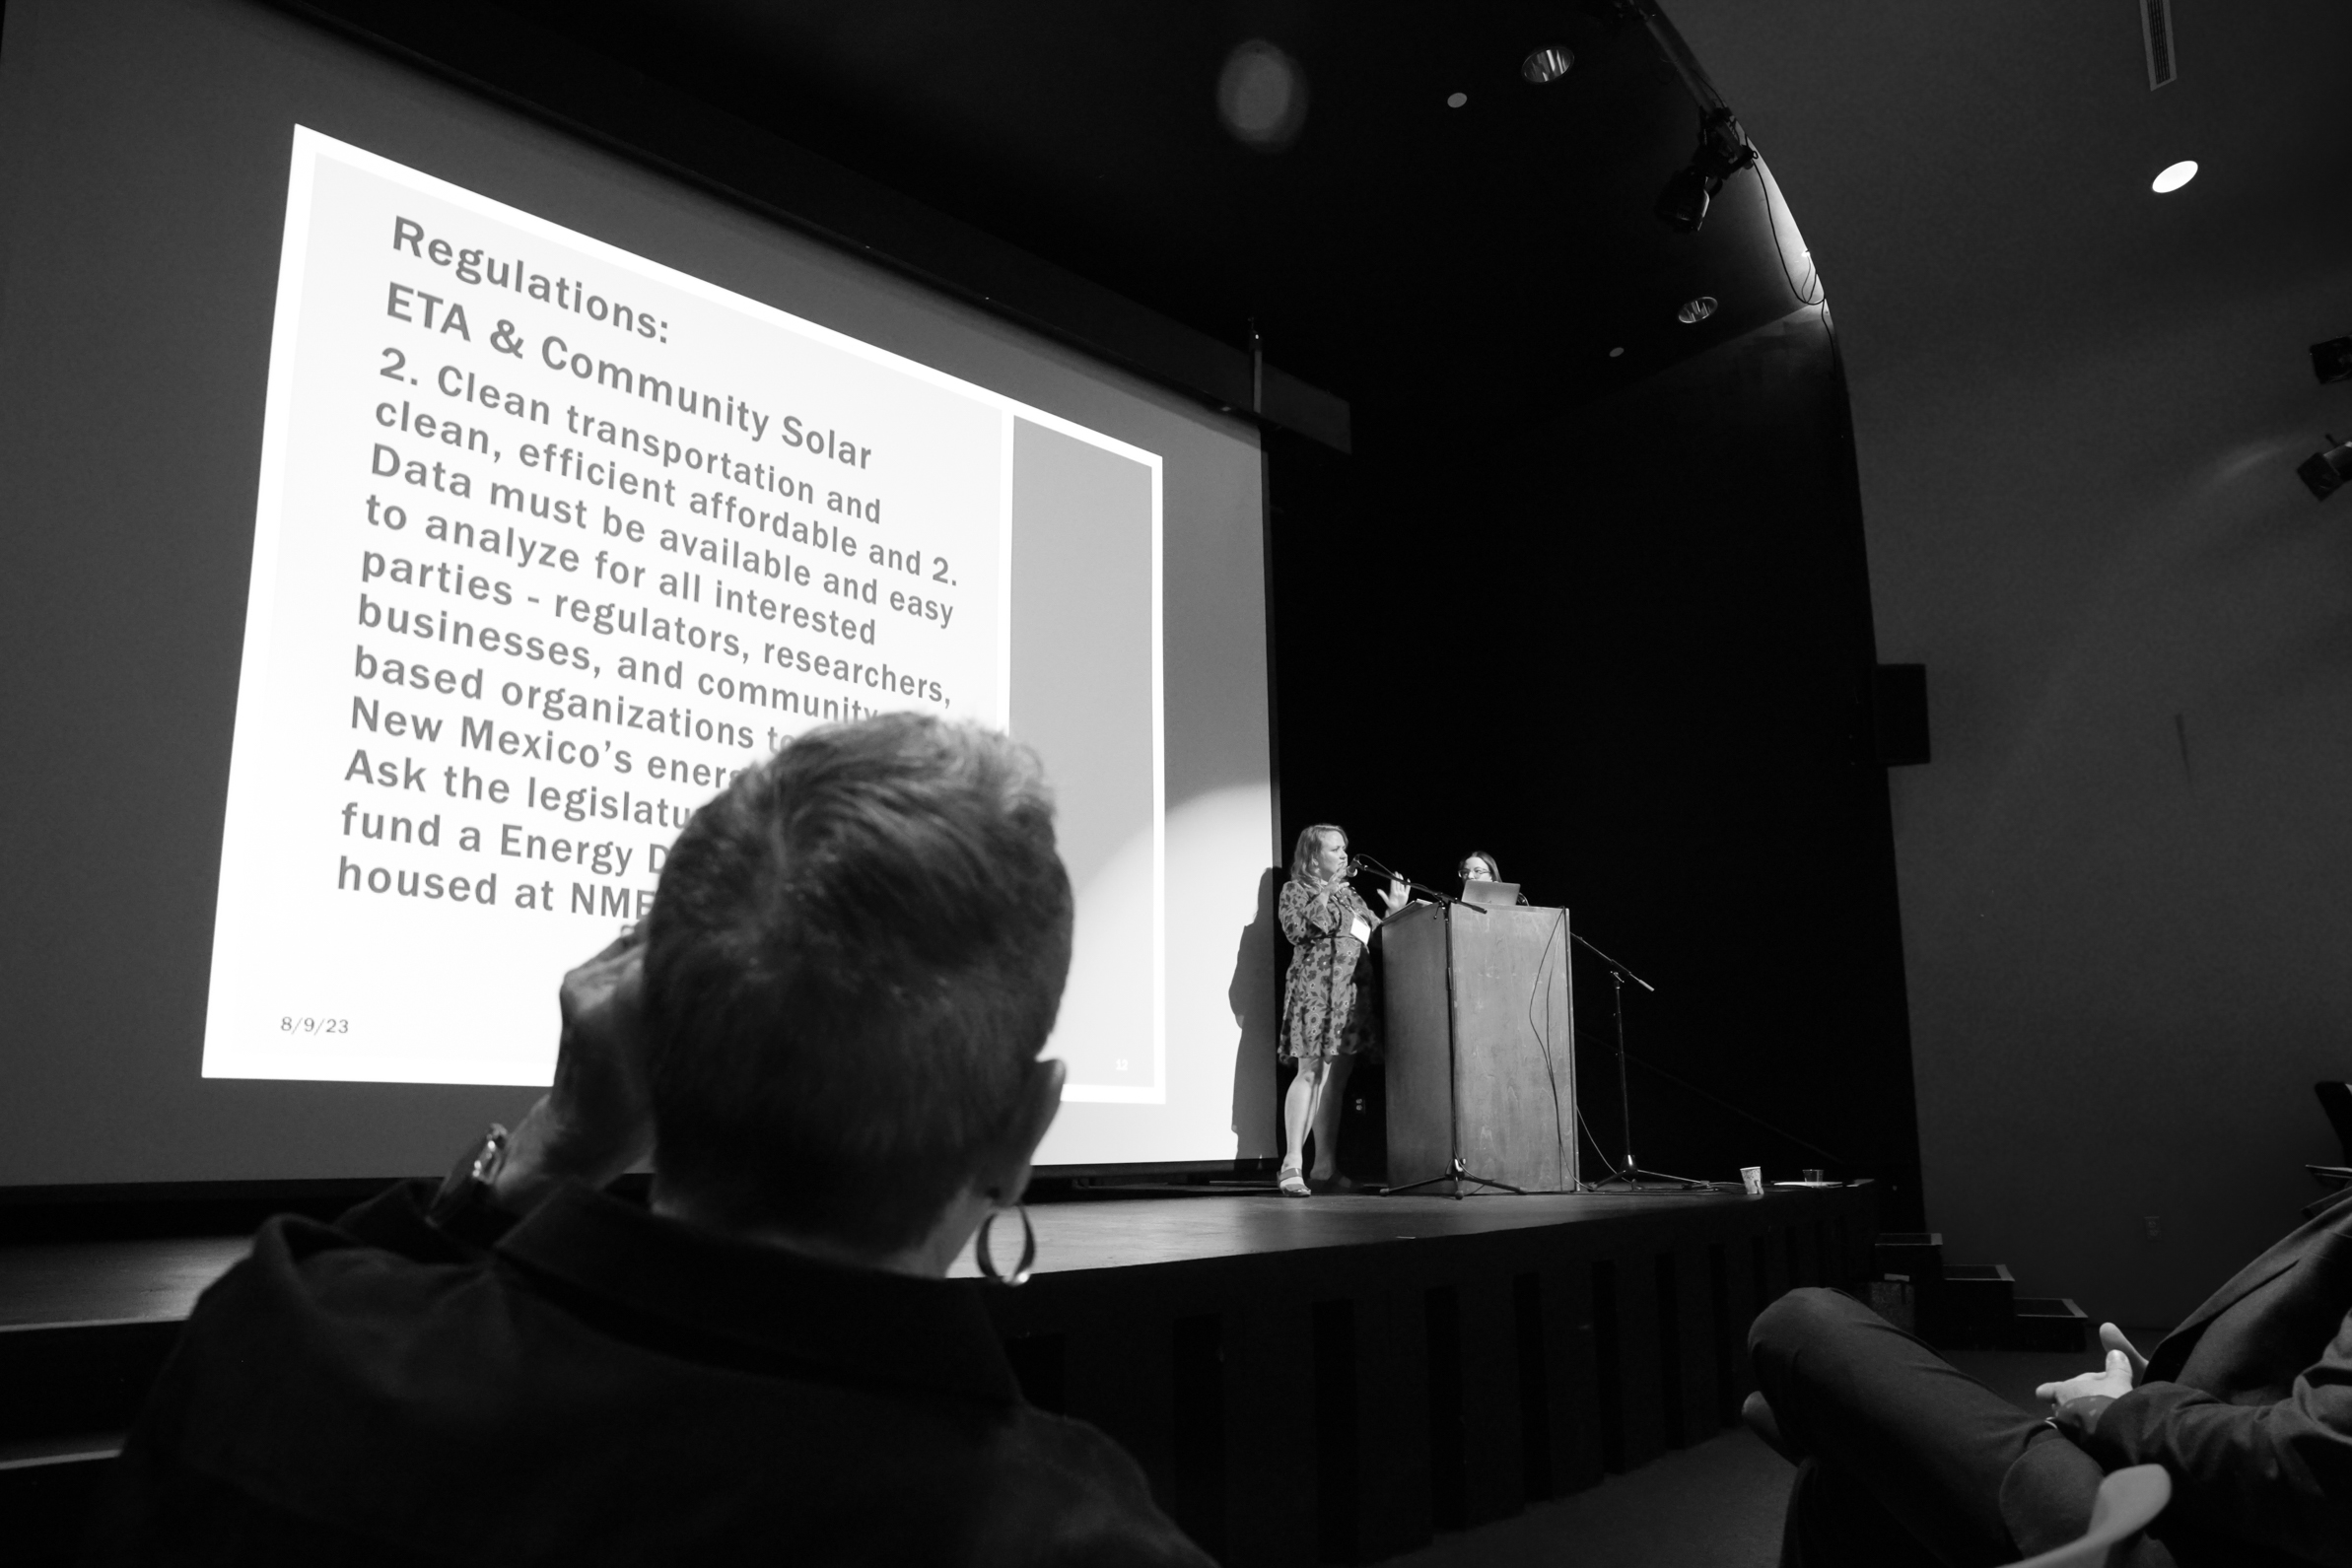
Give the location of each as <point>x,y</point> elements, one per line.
<point>1329,1101</point>
<point>1298,1111</point>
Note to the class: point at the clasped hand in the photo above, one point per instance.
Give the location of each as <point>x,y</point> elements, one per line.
<point>2125,1368</point>
<point>596,1120</point>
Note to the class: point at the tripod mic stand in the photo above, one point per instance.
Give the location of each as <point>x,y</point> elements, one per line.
<point>1457,1170</point>
<point>1632,1173</point>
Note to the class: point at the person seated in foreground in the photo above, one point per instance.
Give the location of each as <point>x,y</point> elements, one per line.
<point>2248,1405</point>
<point>828,1039</point>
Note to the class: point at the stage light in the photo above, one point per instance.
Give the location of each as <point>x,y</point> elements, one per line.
<point>1456,99</point>
<point>1683,204</point>
<point>1261,95</point>
<point>2326,471</point>
<point>1547,65</point>
<point>2172,178</point>
<point>2331,360</point>
<point>1695,311</point>
<point>1722,152</point>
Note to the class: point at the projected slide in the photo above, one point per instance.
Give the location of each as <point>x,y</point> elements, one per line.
<point>551,542</point>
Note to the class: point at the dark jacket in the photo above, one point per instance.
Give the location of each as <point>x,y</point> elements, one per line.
<point>605,1385</point>
<point>2249,1406</point>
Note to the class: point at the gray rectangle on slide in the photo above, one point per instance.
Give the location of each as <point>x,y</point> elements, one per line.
<point>1084,681</point>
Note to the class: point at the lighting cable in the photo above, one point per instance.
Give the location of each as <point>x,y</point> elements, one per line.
<point>1766,182</point>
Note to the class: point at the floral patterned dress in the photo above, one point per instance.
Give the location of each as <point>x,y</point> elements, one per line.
<point>1323,1012</point>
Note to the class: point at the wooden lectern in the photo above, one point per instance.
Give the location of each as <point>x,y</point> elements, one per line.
<point>1482,1070</point>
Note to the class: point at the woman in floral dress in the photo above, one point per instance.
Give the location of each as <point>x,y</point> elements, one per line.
<point>1325,1024</point>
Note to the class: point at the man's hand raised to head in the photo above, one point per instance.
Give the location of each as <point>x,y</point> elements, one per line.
<point>597,1119</point>
<point>2125,1368</point>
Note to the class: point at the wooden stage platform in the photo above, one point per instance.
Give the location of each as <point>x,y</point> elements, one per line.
<point>1323,1379</point>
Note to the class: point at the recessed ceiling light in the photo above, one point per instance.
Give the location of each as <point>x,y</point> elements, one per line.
<point>2174,177</point>
<point>1456,99</point>
<point>1615,352</point>
<point>1697,310</point>
<point>1546,65</point>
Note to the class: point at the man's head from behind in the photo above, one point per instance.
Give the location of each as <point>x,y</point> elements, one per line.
<point>855,953</point>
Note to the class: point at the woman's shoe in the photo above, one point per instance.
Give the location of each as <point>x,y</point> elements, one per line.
<point>1295,1185</point>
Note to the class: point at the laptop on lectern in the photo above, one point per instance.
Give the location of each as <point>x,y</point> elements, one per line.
<point>1490,895</point>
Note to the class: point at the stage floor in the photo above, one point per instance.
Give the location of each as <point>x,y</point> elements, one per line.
<point>159,1280</point>
<point>1127,1233</point>
<point>110,1281</point>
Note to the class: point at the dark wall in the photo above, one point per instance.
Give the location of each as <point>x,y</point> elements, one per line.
<point>2078,406</point>
<point>1626,650</point>
<point>2126,874</point>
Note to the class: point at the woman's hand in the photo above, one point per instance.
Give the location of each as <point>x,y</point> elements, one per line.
<point>2113,1339</point>
<point>1396,895</point>
<point>2124,1369</point>
<point>2111,1381</point>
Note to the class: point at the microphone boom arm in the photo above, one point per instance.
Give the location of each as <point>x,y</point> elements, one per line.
<point>1365,862</point>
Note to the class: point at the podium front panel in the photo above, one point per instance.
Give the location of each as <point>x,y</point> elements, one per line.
<point>1421,1139</point>
<point>1501,1090</point>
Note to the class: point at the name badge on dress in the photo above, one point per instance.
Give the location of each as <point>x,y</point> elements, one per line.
<point>1361,929</point>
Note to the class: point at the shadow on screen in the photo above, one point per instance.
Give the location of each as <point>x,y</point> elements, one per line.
<point>1255,995</point>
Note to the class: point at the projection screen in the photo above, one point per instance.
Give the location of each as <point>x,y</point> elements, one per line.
<point>419,513</point>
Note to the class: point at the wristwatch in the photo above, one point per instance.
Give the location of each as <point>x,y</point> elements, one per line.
<point>466,1206</point>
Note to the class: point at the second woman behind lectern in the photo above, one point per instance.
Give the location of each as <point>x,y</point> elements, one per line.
<point>1478,866</point>
<point>1328,1020</point>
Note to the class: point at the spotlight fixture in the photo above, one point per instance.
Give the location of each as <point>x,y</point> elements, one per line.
<point>1722,152</point>
<point>1547,65</point>
<point>2173,177</point>
<point>2331,360</point>
<point>1695,311</point>
<point>1261,95</point>
<point>2326,471</point>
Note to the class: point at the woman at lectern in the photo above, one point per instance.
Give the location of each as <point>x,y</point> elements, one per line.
<point>1478,866</point>
<point>1327,1019</point>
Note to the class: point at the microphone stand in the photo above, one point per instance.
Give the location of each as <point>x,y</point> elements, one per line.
<point>1633,1172</point>
<point>1456,1171</point>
